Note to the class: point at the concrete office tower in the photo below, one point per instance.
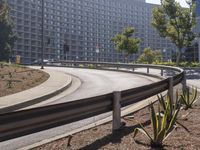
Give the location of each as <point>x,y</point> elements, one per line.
<point>198,25</point>
<point>197,7</point>
<point>197,31</point>
<point>83,27</point>
<point>197,2</point>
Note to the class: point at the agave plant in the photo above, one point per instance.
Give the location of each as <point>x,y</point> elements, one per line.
<point>160,126</point>
<point>9,84</point>
<point>168,105</point>
<point>189,98</point>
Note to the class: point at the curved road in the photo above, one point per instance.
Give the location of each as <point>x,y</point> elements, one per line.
<point>98,82</point>
<point>93,83</point>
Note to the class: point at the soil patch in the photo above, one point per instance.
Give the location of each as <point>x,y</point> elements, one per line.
<point>102,138</point>
<point>15,78</point>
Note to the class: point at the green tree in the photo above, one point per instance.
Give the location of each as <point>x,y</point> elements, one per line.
<point>125,43</point>
<point>175,23</point>
<point>149,56</point>
<point>7,35</point>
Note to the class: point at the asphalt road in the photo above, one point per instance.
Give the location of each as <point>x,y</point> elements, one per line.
<point>98,82</point>
<point>93,83</point>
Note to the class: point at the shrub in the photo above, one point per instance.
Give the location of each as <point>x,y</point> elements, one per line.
<point>1,65</point>
<point>2,76</point>
<point>160,126</point>
<point>182,64</point>
<point>168,105</point>
<point>189,98</point>
<point>149,56</point>
<point>90,66</point>
<point>81,65</point>
<point>10,75</point>
<point>170,63</point>
<point>9,84</point>
<point>195,64</point>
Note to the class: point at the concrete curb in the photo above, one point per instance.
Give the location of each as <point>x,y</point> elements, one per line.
<point>37,99</point>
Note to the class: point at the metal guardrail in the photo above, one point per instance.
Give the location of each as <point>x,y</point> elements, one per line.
<point>19,123</point>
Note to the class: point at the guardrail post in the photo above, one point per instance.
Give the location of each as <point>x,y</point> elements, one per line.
<point>171,92</point>
<point>161,73</point>
<point>148,70</point>
<point>117,67</point>
<point>184,84</point>
<point>116,124</point>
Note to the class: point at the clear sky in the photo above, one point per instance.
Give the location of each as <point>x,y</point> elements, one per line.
<point>182,2</point>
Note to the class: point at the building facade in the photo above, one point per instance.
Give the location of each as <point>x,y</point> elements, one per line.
<point>197,2</point>
<point>193,52</point>
<point>82,29</point>
<point>198,28</point>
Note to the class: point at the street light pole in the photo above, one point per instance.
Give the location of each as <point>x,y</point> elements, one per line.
<point>198,48</point>
<point>97,52</point>
<point>42,55</point>
<point>163,54</point>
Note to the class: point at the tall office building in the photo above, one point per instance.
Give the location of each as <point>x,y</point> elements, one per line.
<point>197,7</point>
<point>193,52</point>
<point>81,29</point>
<point>198,27</point>
<point>197,2</point>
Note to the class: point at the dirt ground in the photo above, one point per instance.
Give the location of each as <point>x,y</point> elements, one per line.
<point>15,78</point>
<point>101,137</point>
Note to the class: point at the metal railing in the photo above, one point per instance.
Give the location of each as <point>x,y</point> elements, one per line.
<point>19,123</point>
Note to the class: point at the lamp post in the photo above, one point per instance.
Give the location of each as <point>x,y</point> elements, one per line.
<point>199,49</point>
<point>97,51</point>
<point>77,58</point>
<point>42,55</point>
<point>163,54</point>
<point>66,50</point>
<point>198,41</point>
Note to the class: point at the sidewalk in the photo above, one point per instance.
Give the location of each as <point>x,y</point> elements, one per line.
<point>57,83</point>
<point>193,77</point>
<point>195,83</point>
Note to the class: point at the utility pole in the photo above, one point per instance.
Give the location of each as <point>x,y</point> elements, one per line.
<point>97,46</point>
<point>42,55</point>
<point>199,48</point>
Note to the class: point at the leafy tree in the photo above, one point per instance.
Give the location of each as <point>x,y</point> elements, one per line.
<point>7,35</point>
<point>149,56</point>
<point>125,43</point>
<point>175,23</point>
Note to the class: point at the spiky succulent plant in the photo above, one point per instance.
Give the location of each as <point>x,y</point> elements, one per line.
<point>160,126</point>
<point>189,97</point>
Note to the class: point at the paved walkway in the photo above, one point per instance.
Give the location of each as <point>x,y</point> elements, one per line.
<point>57,83</point>
<point>193,77</point>
<point>194,82</point>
